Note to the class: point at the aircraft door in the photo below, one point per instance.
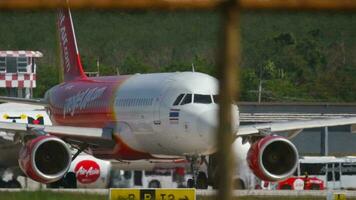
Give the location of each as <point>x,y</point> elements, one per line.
<point>156,114</point>
<point>157,108</point>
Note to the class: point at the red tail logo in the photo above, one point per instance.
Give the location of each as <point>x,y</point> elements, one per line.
<point>70,55</point>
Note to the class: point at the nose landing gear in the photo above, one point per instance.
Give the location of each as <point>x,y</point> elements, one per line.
<point>199,179</point>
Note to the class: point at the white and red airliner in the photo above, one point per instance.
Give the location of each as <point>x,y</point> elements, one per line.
<point>141,116</point>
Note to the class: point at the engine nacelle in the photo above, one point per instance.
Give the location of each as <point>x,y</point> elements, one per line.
<point>273,158</point>
<point>45,159</point>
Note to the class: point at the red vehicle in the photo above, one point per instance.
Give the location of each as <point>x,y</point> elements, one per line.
<point>301,183</point>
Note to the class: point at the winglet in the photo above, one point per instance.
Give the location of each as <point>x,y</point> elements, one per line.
<point>72,65</point>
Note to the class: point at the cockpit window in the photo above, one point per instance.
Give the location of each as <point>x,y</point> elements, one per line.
<point>187,99</point>
<point>179,98</point>
<point>200,98</point>
<point>216,98</point>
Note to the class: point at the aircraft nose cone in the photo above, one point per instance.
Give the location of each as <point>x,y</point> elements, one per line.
<point>207,125</point>
<point>208,122</point>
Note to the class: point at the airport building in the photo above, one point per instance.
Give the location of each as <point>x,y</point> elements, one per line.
<point>18,72</point>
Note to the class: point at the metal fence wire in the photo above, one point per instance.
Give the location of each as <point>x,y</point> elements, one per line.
<point>229,43</point>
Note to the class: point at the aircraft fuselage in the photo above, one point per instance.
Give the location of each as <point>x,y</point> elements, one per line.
<point>163,113</point>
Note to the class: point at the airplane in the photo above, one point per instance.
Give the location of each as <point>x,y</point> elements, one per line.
<point>140,116</point>
<point>16,113</point>
<point>85,171</point>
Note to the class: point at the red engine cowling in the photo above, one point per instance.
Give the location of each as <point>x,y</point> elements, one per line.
<point>273,158</point>
<point>45,159</point>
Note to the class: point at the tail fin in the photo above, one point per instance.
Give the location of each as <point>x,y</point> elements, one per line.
<point>72,65</point>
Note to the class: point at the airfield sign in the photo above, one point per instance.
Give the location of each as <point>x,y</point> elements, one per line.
<point>152,194</point>
<point>338,196</point>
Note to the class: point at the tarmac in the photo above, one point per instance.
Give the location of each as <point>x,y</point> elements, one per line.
<point>236,193</point>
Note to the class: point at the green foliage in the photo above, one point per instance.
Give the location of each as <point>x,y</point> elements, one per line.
<point>298,56</point>
<point>198,63</point>
<point>48,77</point>
<point>249,83</point>
<point>132,65</point>
<point>40,195</point>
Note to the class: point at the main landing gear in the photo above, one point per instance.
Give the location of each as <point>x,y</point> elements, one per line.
<point>199,179</point>
<point>68,181</point>
<point>12,183</point>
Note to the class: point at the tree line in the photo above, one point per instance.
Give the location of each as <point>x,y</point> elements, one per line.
<point>294,56</point>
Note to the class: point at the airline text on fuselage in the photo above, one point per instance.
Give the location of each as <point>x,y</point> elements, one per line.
<point>82,99</point>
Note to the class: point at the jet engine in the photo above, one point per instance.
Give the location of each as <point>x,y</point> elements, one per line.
<point>45,159</point>
<point>272,158</point>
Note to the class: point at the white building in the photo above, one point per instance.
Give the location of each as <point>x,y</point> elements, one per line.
<point>18,72</point>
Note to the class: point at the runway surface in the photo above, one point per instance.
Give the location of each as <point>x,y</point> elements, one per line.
<point>236,193</point>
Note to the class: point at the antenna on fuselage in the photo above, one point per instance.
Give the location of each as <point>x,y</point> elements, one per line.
<point>193,68</point>
<point>98,66</point>
<point>117,71</point>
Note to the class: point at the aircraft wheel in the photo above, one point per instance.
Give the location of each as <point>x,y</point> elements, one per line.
<point>315,187</point>
<point>2,184</point>
<point>286,187</point>
<point>190,183</point>
<point>239,185</point>
<point>202,181</point>
<point>56,184</point>
<point>13,184</point>
<point>215,186</point>
<point>154,184</point>
<point>70,180</point>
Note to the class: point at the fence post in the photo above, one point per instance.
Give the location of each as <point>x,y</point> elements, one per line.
<point>227,72</point>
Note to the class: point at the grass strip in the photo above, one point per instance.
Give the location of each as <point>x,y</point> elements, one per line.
<point>41,195</point>
<point>48,195</point>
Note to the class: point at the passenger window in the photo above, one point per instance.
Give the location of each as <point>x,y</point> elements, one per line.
<point>187,99</point>
<point>179,98</point>
<point>199,98</point>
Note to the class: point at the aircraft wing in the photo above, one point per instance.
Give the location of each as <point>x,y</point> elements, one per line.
<point>293,127</point>
<point>73,135</point>
<point>39,102</point>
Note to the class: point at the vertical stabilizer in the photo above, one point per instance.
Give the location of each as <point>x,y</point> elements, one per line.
<point>72,65</point>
